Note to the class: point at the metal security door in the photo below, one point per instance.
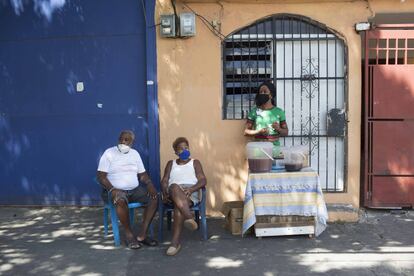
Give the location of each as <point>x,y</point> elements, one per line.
<point>307,62</point>
<point>52,133</point>
<point>389,117</point>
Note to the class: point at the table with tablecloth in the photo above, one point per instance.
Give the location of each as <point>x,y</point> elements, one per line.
<point>284,194</point>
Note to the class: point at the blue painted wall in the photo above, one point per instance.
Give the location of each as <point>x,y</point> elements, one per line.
<point>51,137</point>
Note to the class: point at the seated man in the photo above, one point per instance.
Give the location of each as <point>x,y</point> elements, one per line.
<point>122,173</point>
<point>182,180</point>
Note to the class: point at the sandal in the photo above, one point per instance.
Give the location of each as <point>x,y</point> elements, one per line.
<point>133,244</point>
<point>190,224</point>
<point>148,242</point>
<point>173,250</point>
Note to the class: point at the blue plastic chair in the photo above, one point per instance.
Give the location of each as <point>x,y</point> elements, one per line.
<point>199,212</point>
<point>110,208</point>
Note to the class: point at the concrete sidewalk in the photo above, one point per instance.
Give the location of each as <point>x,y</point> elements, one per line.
<point>70,241</point>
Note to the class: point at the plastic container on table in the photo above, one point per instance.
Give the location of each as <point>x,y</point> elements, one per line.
<point>259,156</point>
<point>295,158</point>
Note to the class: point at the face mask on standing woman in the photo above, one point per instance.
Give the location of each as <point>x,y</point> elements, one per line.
<point>261,99</point>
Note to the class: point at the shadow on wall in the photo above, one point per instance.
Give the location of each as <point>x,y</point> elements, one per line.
<point>225,168</point>
<point>43,8</point>
<point>224,172</point>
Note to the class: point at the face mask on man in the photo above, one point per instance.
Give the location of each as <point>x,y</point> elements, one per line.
<point>184,155</point>
<point>261,99</point>
<point>123,148</point>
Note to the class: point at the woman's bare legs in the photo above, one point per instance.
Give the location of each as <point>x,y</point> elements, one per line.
<point>182,212</point>
<point>180,201</point>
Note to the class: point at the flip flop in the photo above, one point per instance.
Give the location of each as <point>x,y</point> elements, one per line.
<point>133,244</point>
<point>148,242</point>
<point>173,250</point>
<point>190,224</point>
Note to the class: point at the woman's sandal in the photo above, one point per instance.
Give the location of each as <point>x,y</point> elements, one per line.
<point>148,242</point>
<point>190,224</point>
<point>173,250</point>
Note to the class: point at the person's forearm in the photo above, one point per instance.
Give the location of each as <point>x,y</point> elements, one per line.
<point>250,132</point>
<point>283,132</point>
<point>146,180</point>
<point>105,183</point>
<point>164,185</point>
<point>200,184</point>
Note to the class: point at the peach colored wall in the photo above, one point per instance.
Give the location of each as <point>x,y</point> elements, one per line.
<point>190,88</point>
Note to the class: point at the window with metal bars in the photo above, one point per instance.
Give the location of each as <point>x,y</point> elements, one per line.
<point>307,63</point>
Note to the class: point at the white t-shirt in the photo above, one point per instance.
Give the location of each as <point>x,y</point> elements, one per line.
<point>122,168</point>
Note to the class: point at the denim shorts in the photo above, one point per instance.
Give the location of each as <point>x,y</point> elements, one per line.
<point>139,194</point>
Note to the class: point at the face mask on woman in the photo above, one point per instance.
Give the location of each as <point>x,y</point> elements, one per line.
<point>123,148</point>
<point>184,155</point>
<point>261,99</point>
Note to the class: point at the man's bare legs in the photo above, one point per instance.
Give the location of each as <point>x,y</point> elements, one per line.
<point>149,212</point>
<point>123,214</point>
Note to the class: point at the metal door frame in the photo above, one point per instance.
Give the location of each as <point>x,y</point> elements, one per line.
<point>152,90</point>
<point>368,91</point>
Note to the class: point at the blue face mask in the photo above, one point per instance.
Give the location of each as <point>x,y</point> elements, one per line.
<point>184,155</point>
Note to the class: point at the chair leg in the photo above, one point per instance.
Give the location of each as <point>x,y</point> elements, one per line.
<point>204,223</point>
<point>131,216</point>
<point>204,227</point>
<point>197,218</point>
<point>169,215</point>
<point>106,221</point>
<point>115,227</point>
<point>151,230</point>
<point>160,222</point>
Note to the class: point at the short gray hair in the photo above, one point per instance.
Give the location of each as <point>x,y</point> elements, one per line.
<point>127,131</point>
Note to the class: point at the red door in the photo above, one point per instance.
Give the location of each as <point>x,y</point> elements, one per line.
<point>389,117</point>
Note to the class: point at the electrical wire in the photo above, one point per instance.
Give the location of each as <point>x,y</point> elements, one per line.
<point>145,16</point>
<point>207,23</point>
<point>216,32</point>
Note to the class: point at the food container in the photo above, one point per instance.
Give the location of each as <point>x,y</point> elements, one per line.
<point>294,158</point>
<point>259,156</point>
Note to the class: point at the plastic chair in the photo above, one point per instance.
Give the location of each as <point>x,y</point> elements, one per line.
<point>199,211</point>
<point>110,208</point>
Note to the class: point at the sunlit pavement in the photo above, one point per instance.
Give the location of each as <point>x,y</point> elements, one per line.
<point>70,241</point>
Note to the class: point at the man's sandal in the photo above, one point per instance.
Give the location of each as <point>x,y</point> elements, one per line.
<point>148,242</point>
<point>133,244</point>
<point>173,250</point>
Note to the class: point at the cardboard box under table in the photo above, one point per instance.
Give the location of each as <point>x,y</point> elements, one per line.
<point>233,211</point>
<point>284,203</point>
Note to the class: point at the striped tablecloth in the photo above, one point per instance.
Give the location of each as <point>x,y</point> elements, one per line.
<point>284,193</point>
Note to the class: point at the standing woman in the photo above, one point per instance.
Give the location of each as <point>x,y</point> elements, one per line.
<point>266,122</point>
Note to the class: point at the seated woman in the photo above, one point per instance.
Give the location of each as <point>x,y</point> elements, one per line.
<point>182,180</point>
<point>266,122</point>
